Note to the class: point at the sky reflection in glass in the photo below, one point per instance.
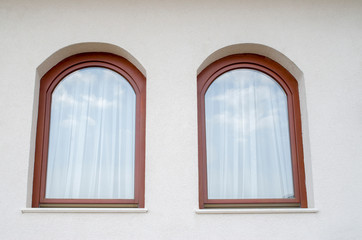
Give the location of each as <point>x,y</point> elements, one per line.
<point>247,137</point>
<point>92,137</point>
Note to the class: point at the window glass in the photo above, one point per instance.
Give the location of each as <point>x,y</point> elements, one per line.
<point>92,137</point>
<point>247,137</point>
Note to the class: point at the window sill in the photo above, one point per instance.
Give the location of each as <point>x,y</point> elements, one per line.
<point>84,210</point>
<point>256,211</point>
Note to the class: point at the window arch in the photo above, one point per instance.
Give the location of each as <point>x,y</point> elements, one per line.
<point>90,143</point>
<point>250,138</point>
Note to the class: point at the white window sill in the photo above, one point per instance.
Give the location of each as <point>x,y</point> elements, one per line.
<point>256,211</point>
<point>84,210</point>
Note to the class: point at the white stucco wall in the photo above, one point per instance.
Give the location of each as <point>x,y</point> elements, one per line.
<point>318,41</point>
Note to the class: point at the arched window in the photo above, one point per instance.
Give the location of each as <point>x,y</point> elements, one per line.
<point>250,139</point>
<point>90,144</point>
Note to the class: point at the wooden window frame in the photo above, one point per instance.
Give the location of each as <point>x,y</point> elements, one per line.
<point>47,84</point>
<point>290,87</point>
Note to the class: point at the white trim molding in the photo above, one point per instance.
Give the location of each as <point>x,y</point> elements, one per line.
<point>256,211</point>
<point>84,210</point>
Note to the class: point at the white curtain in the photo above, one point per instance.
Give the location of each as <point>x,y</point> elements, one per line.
<point>92,137</point>
<point>247,137</point>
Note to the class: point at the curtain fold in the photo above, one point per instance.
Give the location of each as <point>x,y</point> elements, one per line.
<point>247,137</point>
<point>92,137</point>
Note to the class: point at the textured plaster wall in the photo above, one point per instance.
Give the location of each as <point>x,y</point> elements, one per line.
<point>171,41</point>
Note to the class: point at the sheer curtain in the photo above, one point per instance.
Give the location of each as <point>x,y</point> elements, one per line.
<point>247,137</point>
<point>92,137</point>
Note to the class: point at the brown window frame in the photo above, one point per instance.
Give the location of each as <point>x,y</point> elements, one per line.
<point>290,87</point>
<point>47,84</point>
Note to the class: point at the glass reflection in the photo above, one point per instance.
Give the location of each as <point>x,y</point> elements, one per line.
<point>92,137</point>
<point>247,137</point>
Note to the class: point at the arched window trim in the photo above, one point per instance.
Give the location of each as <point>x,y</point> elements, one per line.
<point>290,86</point>
<point>47,84</point>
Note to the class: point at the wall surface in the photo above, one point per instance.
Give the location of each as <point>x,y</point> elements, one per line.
<point>169,41</point>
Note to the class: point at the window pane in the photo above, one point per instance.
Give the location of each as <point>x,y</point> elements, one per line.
<point>92,137</point>
<point>247,137</point>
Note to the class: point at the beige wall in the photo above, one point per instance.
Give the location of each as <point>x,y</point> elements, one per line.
<point>170,41</point>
